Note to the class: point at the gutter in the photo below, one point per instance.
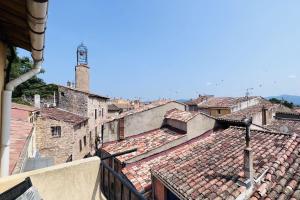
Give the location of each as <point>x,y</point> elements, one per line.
<point>37,16</point>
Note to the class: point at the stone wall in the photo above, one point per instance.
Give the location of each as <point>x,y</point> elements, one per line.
<point>82,77</point>
<point>73,101</point>
<point>60,148</point>
<point>99,106</point>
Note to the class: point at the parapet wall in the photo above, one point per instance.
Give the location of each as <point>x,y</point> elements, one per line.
<point>75,180</point>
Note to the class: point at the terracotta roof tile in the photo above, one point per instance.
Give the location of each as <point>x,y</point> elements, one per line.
<point>285,126</point>
<point>180,115</point>
<point>250,111</point>
<point>143,142</point>
<point>62,115</point>
<point>200,99</point>
<point>223,102</point>
<point>214,162</point>
<point>20,131</point>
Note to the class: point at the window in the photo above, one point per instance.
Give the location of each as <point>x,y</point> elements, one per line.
<point>62,94</point>
<point>102,112</point>
<point>102,132</point>
<point>56,131</point>
<point>80,145</point>
<point>84,140</point>
<point>95,113</point>
<point>219,111</point>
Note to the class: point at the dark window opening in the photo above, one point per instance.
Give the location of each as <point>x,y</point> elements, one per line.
<point>219,111</point>
<point>80,145</point>
<point>95,113</point>
<point>56,131</point>
<point>84,140</point>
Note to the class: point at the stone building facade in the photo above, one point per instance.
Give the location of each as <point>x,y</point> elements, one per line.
<point>82,103</point>
<point>62,135</point>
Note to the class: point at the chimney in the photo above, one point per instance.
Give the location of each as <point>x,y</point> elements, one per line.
<point>37,101</point>
<point>248,155</point>
<point>54,99</point>
<point>264,115</point>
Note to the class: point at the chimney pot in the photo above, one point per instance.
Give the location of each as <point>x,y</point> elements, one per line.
<point>248,154</point>
<point>37,101</point>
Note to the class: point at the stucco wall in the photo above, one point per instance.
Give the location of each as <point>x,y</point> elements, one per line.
<point>199,125</point>
<point>70,181</point>
<point>110,132</point>
<point>177,124</point>
<point>215,111</point>
<point>148,120</point>
<point>245,104</point>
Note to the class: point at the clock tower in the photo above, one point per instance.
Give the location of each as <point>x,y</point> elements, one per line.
<point>82,77</point>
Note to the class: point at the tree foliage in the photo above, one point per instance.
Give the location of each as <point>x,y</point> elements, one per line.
<point>29,88</point>
<point>283,102</point>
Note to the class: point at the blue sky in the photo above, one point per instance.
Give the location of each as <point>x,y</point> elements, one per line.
<point>176,48</point>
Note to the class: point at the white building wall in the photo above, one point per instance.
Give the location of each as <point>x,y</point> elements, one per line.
<point>148,120</point>
<point>199,125</point>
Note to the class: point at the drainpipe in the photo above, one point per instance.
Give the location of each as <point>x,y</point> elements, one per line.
<point>37,14</point>
<point>6,113</point>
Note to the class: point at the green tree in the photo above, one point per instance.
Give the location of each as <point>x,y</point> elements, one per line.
<point>29,88</point>
<point>283,102</point>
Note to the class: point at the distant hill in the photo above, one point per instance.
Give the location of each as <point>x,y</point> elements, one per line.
<point>291,98</point>
<point>183,100</point>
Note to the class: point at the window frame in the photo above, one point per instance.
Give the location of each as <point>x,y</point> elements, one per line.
<point>55,131</point>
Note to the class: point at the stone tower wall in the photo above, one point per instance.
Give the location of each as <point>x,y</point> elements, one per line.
<point>82,78</point>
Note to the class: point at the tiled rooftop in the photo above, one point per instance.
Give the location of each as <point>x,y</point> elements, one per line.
<point>180,115</point>
<point>144,142</point>
<point>24,107</point>
<point>223,102</point>
<point>285,126</point>
<point>250,111</point>
<point>210,166</point>
<point>62,115</point>
<point>20,131</point>
<point>198,100</point>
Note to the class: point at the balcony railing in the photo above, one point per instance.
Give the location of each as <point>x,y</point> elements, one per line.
<point>113,185</point>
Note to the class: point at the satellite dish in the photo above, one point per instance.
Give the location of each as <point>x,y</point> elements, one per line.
<point>284,129</point>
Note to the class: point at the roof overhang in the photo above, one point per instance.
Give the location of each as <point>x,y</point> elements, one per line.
<point>23,24</point>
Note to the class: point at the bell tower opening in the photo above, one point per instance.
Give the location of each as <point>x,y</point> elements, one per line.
<point>82,77</point>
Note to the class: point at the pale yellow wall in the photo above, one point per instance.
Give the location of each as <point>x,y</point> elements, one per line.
<point>76,180</point>
<point>223,111</point>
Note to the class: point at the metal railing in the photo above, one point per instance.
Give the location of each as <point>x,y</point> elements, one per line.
<point>113,185</point>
